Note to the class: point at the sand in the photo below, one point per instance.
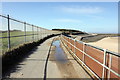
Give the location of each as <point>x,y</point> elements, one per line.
<point>110,43</point>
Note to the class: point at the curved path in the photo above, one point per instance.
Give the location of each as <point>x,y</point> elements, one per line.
<point>34,65</point>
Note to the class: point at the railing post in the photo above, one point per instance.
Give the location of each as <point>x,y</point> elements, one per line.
<point>44,33</point>
<point>71,43</point>
<point>61,38</point>
<point>110,62</point>
<point>40,33</point>
<point>104,62</point>
<point>83,52</point>
<point>37,34</point>
<point>25,30</point>
<point>33,32</point>
<point>9,45</point>
<point>74,46</point>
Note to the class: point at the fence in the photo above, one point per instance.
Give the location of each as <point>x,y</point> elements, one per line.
<point>15,32</point>
<point>101,62</point>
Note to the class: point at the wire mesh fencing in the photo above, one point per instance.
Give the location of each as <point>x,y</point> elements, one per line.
<point>14,33</point>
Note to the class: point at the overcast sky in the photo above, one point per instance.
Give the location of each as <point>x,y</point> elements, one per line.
<point>99,17</point>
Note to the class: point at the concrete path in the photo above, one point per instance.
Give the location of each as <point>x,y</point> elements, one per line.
<point>34,66</point>
<point>68,69</point>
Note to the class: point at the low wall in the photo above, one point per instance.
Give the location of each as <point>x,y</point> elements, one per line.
<point>101,62</point>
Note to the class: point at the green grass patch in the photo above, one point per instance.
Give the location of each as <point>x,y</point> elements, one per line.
<point>16,41</point>
<point>16,33</point>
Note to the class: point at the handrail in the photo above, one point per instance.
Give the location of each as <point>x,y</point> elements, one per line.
<point>102,64</point>
<point>108,51</point>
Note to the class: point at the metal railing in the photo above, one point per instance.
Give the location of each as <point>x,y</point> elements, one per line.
<point>15,32</point>
<point>102,63</point>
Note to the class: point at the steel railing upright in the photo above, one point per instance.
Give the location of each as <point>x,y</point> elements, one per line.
<point>9,46</point>
<point>25,30</point>
<point>105,67</point>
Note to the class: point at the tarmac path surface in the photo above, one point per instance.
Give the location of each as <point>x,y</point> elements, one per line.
<point>47,61</point>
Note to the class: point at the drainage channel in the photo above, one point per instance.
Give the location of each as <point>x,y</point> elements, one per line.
<point>59,55</point>
<point>62,65</point>
<point>62,61</point>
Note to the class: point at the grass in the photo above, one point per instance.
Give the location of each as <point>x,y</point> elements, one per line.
<point>15,33</point>
<point>16,41</point>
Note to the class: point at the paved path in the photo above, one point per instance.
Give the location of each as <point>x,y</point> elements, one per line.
<point>68,69</point>
<point>34,65</point>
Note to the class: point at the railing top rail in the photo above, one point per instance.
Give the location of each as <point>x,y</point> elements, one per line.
<point>108,51</point>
